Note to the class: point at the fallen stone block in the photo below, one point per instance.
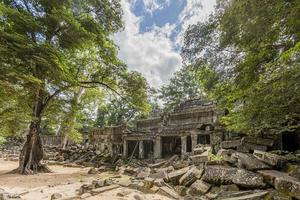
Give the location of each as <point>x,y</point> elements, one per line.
<point>181,190</point>
<point>148,182</point>
<point>230,144</point>
<point>218,174</point>
<point>226,154</point>
<point>198,150</point>
<point>282,182</point>
<point>201,158</point>
<point>249,161</point>
<point>168,192</point>
<point>199,187</point>
<point>258,195</point>
<point>248,179</point>
<point>99,183</point>
<point>270,159</point>
<point>56,196</point>
<point>231,188</point>
<point>93,171</point>
<point>259,141</point>
<point>176,175</point>
<point>190,176</point>
<point>145,172</point>
<point>104,189</point>
<point>247,147</point>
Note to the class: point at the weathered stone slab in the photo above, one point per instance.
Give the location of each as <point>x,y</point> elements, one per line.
<point>248,179</point>
<point>226,154</point>
<point>104,189</point>
<point>259,141</point>
<point>143,173</point>
<point>231,144</point>
<point>282,182</point>
<point>148,182</point>
<point>270,159</point>
<point>247,147</point>
<point>249,161</point>
<point>199,187</point>
<point>176,175</point>
<point>169,192</point>
<point>198,150</point>
<point>218,174</point>
<point>200,158</point>
<point>254,196</point>
<point>190,176</point>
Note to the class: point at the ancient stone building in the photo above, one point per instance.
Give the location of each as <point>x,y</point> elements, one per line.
<point>192,122</point>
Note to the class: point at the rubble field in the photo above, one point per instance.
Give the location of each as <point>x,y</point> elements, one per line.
<point>81,172</point>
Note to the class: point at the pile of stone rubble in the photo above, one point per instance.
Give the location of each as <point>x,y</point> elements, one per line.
<point>234,175</point>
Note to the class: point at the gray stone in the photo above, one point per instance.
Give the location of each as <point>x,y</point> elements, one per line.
<point>176,175</point>
<point>247,147</point>
<point>249,161</point>
<point>199,187</point>
<point>218,174</point>
<point>226,154</point>
<point>93,171</point>
<point>200,158</point>
<point>254,195</point>
<point>104,189</point>
<point>56,196</point>
<point>169,192</point>
<point>270,159</point>
<point>231,187</point>
<point>99,183</point>
<point>282,182</point>
<point>181,190</point>
<point>148,182</point>
<point>230,144</point>
<point>190,176</point>
<point>145,172</point>
<point>248,179</point>
<point>259,141</point>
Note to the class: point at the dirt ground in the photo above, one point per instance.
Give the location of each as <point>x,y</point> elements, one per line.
<point>63,180</point>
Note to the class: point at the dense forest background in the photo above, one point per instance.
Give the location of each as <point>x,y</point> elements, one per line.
<point>60,70</point>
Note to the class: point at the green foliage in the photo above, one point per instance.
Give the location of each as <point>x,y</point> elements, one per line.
<point>52,49</point>
<point>183,86</point>
<point>247,58</point>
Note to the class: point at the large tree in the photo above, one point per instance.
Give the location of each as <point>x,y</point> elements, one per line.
<point>247,58</point>
<point>37,40</point>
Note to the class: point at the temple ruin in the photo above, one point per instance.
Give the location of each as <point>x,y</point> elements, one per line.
<point>192,122</point>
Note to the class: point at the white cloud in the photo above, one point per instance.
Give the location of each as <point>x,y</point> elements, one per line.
<point>195,11</point>
<point>150,53</point>
<point>152,5</point>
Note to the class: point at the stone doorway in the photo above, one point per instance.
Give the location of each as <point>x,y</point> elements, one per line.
<point>290,141</point>
<point>171,145</point>
<point>133,149</point>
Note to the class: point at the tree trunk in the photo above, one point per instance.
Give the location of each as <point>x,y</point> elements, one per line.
<point>32,151</point>
<point>70,121</point>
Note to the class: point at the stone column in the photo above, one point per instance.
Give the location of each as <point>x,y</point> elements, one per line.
<point>141,149</point>
<point>194,138</point>
<point>125,150</point>
<point>157,147</point>
<point>183,145</point>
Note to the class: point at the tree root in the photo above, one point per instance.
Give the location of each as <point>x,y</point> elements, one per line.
<point>41,168</point>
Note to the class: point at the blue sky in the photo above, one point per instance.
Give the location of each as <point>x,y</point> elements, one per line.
<point>151,40</point>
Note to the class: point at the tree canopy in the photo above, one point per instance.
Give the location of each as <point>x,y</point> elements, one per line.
<point>247,58</point>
